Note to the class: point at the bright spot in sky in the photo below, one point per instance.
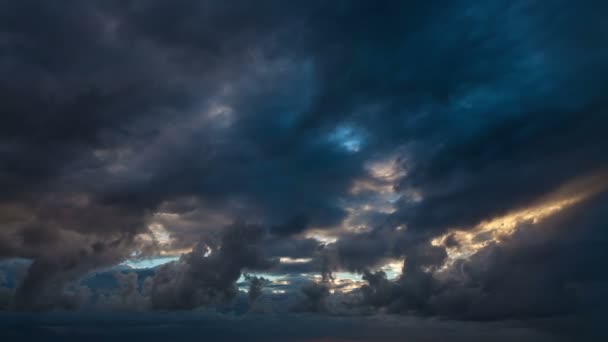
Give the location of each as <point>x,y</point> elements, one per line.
<point>373,193</point>
<point>348,281</point>
<point>495,229</point>
<point>352,145</point>
<point>387,170</point>
<point>288,260</point>
<point>321,237</point>
<point>161,235</point>
<point>348,138</point>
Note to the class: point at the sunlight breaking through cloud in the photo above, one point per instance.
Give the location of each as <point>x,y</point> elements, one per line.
<point>469,241</point>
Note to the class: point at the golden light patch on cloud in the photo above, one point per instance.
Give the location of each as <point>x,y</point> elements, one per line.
<point>345,285</point>
<point>352,223</point>
<point>393,268</point>
<point>494,230</point>
<point>346,282</point>
<point>175,252</point>
<point>364,185</point>
<point>382,176</point>
<point>321,236</point>
<point>348,286</point>
<point>387,170</point>
<point>378,190</point>
<point>281,282</point>
<point>159,233</point>
<point>288,260</point>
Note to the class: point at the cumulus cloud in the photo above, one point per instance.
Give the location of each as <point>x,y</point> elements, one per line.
<point>207,275</point>
<point>256,285</point>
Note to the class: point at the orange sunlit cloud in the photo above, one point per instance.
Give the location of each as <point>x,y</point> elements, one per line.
<point>495,229</point>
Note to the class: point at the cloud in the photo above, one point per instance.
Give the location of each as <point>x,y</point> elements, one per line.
<point>208,274</point>
<point>348,135</point>
<point>541,270</point>
<point>315,295</point>
<point>256,285</point>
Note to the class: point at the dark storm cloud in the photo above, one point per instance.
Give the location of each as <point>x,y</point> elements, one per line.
<point>545,270</point>
<point>103,108</point>
<point>315,295</point>
<point>292,248</point>
<point>208,274</point>
<point>529,143</point>
<point>65,236</point>
<point>526,128</point>
<point>294,225</point>
<point>190,115</point>
<point>491,119</point>
<point>256,284</point>
<point>205,277</point>
<point>94,84</point>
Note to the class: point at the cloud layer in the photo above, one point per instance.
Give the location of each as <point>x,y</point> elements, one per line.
<point>320,142</point>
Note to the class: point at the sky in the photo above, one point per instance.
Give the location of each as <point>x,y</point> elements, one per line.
<point>303,171</point>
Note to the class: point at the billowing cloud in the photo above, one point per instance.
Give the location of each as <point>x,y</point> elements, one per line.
<point>319,143</point>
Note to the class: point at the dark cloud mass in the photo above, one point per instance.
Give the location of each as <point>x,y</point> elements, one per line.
<point>403,161</point>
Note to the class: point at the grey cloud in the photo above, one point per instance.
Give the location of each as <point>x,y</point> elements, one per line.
<point>256,284</point>
<point>200,279</point>
<point>268,112</point>
<point>314,298</point>
<point>540,271</point>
